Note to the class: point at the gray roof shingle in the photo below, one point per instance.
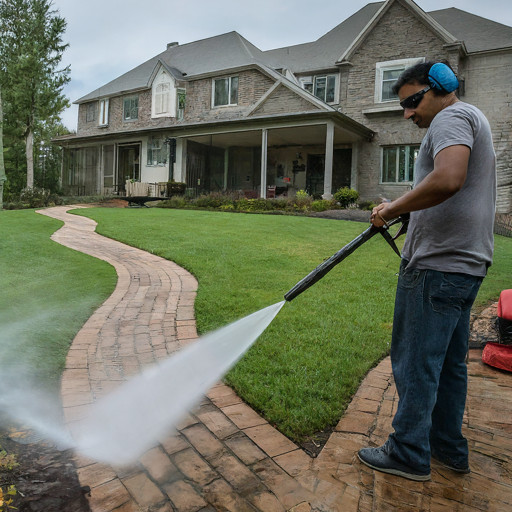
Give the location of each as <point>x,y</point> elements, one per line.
<point>218,53</point>
<point>479,34</point>
<point>231,50</point>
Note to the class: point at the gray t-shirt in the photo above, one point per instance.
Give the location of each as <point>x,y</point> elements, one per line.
<point>456,235</point>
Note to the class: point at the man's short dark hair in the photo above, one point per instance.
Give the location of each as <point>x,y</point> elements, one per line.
<point>418,74</point>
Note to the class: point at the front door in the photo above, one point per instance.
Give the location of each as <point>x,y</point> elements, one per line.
<point>128,167</point>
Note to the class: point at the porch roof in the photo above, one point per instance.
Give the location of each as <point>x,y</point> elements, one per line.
<point>347,129</point>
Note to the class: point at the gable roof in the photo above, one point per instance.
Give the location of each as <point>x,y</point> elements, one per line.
<point>214,54</point>
<point>324,52</point>
<point>479,34</point>
<point>441,32</point>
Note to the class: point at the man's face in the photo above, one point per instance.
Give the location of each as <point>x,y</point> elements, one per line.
<point>424,111</point>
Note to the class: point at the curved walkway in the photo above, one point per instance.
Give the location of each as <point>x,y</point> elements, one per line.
<point>224,456</point>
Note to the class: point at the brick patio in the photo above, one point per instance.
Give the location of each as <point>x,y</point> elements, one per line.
<point>223,455</point>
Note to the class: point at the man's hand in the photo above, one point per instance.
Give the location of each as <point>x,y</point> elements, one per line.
<point>446,179</point>
<point>382,214</point>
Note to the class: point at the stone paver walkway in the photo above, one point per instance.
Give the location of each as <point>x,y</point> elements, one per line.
<point>224,456</point>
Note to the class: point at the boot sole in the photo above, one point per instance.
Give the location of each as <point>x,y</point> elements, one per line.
<point>397,472</point>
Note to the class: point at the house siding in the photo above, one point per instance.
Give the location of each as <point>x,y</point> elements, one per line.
<point>487,85</point>
<point>410,39</point>
<point>399,34</point>
<point>116,123</point>
<point>252,86</point>
<point>282,101</point>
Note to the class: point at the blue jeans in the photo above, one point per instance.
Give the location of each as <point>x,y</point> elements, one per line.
<point>428,352</point>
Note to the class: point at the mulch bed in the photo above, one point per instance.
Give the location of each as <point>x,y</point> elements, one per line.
<point>45,477</point>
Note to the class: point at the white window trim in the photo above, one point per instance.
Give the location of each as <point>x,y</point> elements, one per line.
<point>306,80</point>
<point>130,119</point>
<point>150,142</point>
<point>391,65</point>
<point>103,117</point>
<point>311,81</point>
<point>161,79</point>
<point>397,167</point>
<point>326,76</point>
<point>229,104</point>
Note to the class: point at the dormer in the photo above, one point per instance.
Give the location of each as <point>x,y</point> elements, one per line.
<point>163,95</point>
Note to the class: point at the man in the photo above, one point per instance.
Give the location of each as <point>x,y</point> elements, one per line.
<point>446,255</point>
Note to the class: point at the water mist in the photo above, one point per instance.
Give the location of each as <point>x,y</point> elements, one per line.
<point>124,424</point>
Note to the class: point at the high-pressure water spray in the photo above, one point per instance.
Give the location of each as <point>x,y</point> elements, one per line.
<point>328,264</point>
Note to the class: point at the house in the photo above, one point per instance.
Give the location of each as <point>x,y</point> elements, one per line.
<point>220,115</point>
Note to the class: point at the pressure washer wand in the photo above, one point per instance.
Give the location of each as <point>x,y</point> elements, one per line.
<point>328,264</point>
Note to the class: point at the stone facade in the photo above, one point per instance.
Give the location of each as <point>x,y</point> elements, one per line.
<point>410,40</point>
<point>252,86</point>
<point>399,34</point>
<point>283,101</point>
<point>488,80</point>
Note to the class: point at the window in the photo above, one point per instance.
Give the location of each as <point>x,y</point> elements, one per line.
<point>307,83</point>
<point>157,151</point>
<point>386,74</point>
<point>163,95</point>
<point>131,108</point>
<point>225,91</point>
<point>103,119</point>
<point>325,88</point>
<point>322,86</point>
<point>162,98</point>
<point>181,100</point>
<point>90,112</point>
<point>398,163</point>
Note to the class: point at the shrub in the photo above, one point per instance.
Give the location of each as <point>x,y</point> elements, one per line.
<point>175,188</point>
<point>215,200</point>
<point>35,197</point>
<point>323,204</point>
<point>302,200</point>
<point>253,205</point>
<point>346,197</point>
<point>174,202</point>
<point>367,205</point>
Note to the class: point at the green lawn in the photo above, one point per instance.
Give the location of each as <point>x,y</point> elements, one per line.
<point>47,293</point>
<point>302,372</point>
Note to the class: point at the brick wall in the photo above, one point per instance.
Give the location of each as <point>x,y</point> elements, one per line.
<point>503,224</point>
<point>283,100</point>
<point>488,79</point>
<point>252,86</point>
<point>406,38</point>
<point>116,123</point>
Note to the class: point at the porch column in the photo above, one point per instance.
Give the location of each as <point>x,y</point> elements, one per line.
<point>264,139</point>
<point>354,174</point>
<point>329,151</point>
<point>180,166</point>
<point>226,169</point>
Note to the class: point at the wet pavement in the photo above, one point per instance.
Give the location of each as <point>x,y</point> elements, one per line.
<point>224,456</point>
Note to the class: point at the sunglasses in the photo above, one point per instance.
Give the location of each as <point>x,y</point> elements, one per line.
<point>414,100</point>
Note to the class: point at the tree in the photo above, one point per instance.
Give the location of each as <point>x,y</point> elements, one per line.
<point>31,49</point>
<point>2,165</point>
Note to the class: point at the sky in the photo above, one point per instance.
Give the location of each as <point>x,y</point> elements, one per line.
<point>107,38</point>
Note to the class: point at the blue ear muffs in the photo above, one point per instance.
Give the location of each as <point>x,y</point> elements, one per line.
<point>442,77</point>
